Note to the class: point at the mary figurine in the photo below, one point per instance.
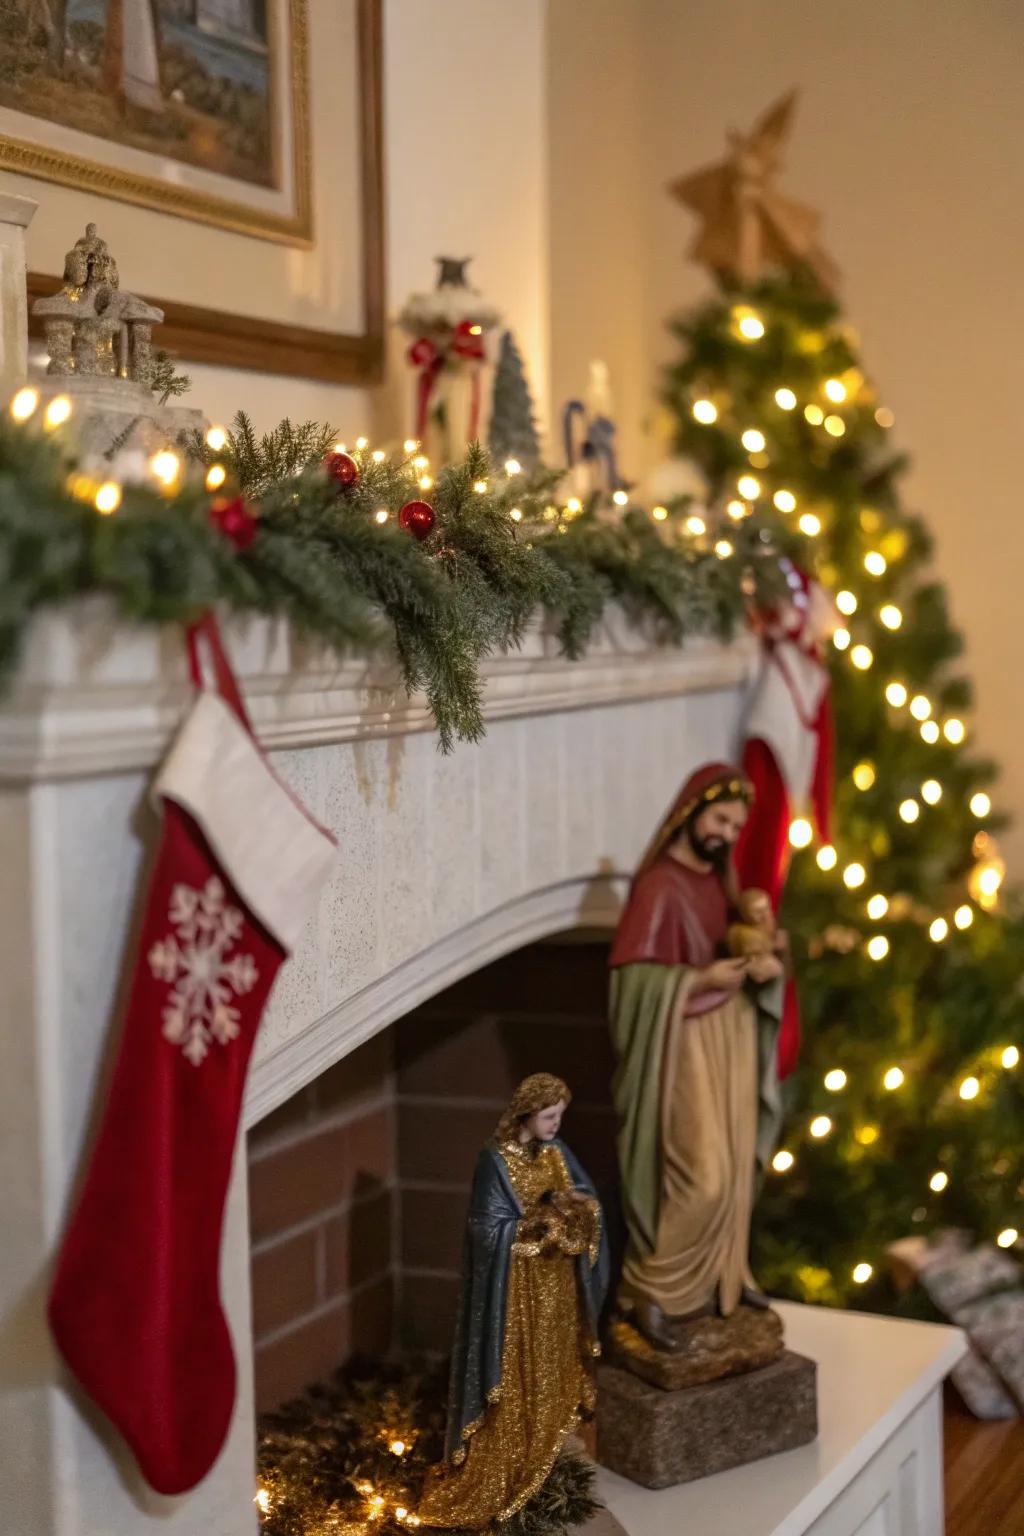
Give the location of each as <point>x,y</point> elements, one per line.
<point>535,1274</point>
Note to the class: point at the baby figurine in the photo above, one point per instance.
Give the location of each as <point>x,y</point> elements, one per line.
<point>755,935</point>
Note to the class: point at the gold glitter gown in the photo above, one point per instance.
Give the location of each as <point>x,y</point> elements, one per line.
<point>546,1358</point>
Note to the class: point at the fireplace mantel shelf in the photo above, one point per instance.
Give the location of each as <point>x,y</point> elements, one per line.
<point>95,696</point>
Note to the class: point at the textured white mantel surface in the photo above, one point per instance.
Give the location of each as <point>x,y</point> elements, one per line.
<point>443,863</point>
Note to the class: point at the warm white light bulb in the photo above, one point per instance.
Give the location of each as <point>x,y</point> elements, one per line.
<point>705,411</point>
<point>862,657</point>
<point>931,791</point>
<point>108,497</point>
<point>659,514</point>
<point>513,467</point>
<point>165,466</point>
<point>891,616</point>
<point>954,731</point>
<point>217,439</point>
<point>57,412</point>
<point>801,833</point>
<point>827,856</point>
<point>835,1081</point>
<point>930,732</point>
<point>785,399</point>
<point>893,1079</point>
<point>981,804</point>
<point>361,443</point>
<point>897,695</point>
<point>516,514</point>
<point>1007,1237</point>
<point>864,775</point>
<point>862,1273</point>
<point>737,510</point>
<point>24,403</point>
<point>753,440</point>
<point>910,811</point>
<point>938,932</point>
<point>1010,1058</point>
<point>969,1088</point>
<point>696,525</point>
<point>875,563</point>
<point>820,1126</point>
<point>783,1161</point>
<point>877,907</point>
<point>920,707</point>
<point>854,876</point>
<point>938,1181</point>
<point>846,602</point>
<point>785,501</point>
<point>835,391</point>
<point>878,947</point>
<point>723,549</point>
<point>810,524</point>
<point>480,487</point>
<point>963,917</point>
<point>750,325</point>
<point>749,487</point>
<point>410,445</point>
<point>814,414</point>
<point>215,477</point>
<point>620,498</point>
<point>381,515</point>
<point>841,639</point>
<point>835,426</point>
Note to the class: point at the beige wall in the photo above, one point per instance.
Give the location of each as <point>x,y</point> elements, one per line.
<point>465,144</point>
<point>910,140</point>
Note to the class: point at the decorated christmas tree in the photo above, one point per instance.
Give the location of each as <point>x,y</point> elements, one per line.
<point>906,1107</point>
<point>513,431</point>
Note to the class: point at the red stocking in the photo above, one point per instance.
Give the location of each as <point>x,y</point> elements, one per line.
<point>135,1306</point>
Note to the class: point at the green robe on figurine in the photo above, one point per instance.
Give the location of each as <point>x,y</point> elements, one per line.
<point>697,1085</point>
<point>535,1274</point>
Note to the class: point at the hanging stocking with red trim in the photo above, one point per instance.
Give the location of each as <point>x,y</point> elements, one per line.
<point>135,1306</point>
<point>787,754</point>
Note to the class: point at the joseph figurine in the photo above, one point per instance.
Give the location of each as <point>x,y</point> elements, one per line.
<point>696,1086</point>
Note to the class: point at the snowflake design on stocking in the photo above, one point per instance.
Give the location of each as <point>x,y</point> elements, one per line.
<point>204,977</point>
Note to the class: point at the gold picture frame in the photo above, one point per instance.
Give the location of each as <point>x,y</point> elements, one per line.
<point>295,227</point>
<point>195,333</point>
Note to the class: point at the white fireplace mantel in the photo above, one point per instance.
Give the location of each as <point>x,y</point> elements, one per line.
<point>444,863</point>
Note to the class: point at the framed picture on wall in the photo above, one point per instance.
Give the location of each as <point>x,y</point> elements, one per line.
<point>230,152</point>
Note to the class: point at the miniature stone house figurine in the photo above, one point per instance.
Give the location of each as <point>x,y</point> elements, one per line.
<point>93,329</point>
<point>100,343</point>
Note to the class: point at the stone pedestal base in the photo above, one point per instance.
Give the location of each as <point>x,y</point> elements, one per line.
<point>104,408</point>
<point>658,1438</point>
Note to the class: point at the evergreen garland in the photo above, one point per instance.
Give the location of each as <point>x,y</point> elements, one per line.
<point>320,557</point>
<point>353,1450</point>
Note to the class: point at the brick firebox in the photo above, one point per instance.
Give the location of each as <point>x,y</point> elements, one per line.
<point>358,1185</point>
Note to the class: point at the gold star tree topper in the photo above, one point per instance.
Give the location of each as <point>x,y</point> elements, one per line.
<point>749,227</point>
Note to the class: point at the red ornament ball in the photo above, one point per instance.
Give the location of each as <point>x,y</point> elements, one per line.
<point>417,518</point>
<point>342,468</point>
<point>235,519</point>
